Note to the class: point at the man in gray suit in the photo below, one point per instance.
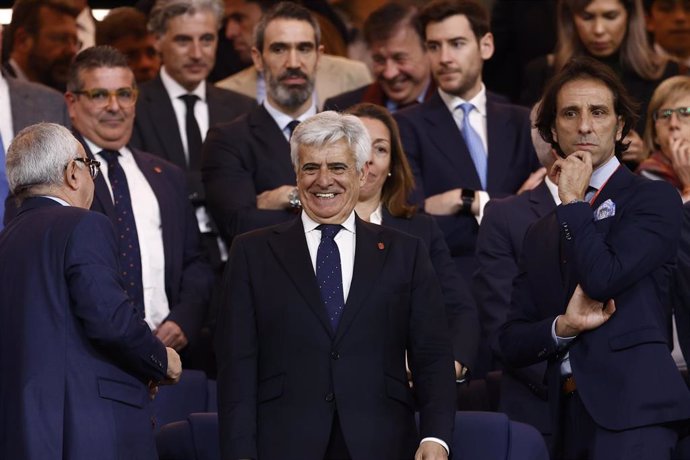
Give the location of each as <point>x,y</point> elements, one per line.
<point>28,103</point>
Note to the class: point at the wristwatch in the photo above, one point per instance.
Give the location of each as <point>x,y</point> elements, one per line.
<point>294,201</point>
<point>467,197</point>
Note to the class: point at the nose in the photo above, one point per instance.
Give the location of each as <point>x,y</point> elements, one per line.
<point>325,178</point>
<point>598,26</point>
<point>232,29</point>
<point>445,53</point>
<point>113,105</point>
<point>674,121</point>
<point>390,70</point>
<point>195,50</point>
<point>293,59</point>
<point>585,125</point>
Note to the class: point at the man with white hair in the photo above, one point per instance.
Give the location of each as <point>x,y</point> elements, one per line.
<point>317,317</point>
<point>78,361</point>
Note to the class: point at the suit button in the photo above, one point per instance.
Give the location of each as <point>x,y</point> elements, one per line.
<point>329,397</point>
<point>335,355</point>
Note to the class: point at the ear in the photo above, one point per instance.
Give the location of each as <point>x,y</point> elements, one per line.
<point>71,177</point>
<point>363,174</point>
<point>258,59</point>
<point>23,41</point>
<point>554,134</point>
<point>619,128</point>
<point>486,46</point>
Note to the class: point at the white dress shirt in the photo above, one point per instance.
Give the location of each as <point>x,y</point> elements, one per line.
<point>6,126</point>
<point>282,120</point>
<point>149,232</point>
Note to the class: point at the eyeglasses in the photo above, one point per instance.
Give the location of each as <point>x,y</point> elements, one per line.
<point>93,165</point>
<point>664,115</point>
<point>100,97</point>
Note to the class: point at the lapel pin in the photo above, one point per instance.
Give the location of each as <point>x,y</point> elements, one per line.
<point>157,169</point>
<point>381,246</point>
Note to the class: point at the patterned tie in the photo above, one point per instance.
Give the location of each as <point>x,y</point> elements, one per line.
<point>193,133</point>
<point>126,229</point>
<point>4,187</point>
<point>474,143</point>
<point>291,127</point>
<point>328,273</point>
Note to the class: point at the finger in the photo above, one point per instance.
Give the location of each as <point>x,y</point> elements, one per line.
<point>610,307</point>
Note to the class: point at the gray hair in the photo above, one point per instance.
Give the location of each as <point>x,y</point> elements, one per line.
<point>328,128</point>
<point>165,10</point>
<point>37,158</point>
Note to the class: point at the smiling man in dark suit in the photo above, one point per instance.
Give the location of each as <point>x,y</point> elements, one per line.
<point>144,196</point>
<point>316,319</point>
<point>463,145</point>
<point>590,298</point>
<point>78,362</point>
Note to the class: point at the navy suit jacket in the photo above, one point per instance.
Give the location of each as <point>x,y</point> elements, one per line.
<point>156,129</point>
<point>499,248</point>
<point>188,276</point>
<point>626,257</point>
<point>75,355</point>
<point>680,287</point>
<point>440,162</point>
<point>460,306</point>
<point>242,159</point>
<point>283,370</point>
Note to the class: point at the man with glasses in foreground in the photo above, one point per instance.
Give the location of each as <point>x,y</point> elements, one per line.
<point>144,196</point>
<point>78,363</point>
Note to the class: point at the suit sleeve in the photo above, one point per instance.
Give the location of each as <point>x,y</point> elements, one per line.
<point>196,280</point>
<point>605,263</point>
<point>680,287</point>
<point>496,270</point>
<point>430,353</point>
<point>227,173</point>
<point>237,354</point>
<point>460,306</point>
<point>100,301</point>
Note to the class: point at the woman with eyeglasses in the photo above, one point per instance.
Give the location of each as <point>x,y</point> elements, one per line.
<point>383,201</point>
<point>667,135</point>
<point>613,32</point>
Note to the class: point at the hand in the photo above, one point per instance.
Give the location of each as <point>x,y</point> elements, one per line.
<point>430,450</point>
<point>153,389</point>
<point>459,370</point>
<point>635,153</point>
<point>534,179</point>
<point>275,199</point>
<point>573,174</point>
<point>446,203</point>
<point>174,371</point>
<point>583,314</point>
<point>171,335</point>
<point>680,160</point>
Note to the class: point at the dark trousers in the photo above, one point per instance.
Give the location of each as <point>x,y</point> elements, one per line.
<point>583,439</point>
<point>337,449</point>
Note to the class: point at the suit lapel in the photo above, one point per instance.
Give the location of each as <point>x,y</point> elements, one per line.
<point>619,180</point>
<point>444,133</point>
<point>290,248</point>
<point>164,122</point>
<point>267,132</point>
<point>499,148</point>
<point>371,251</point>
<point>215,107</point>
<point>541,200</point>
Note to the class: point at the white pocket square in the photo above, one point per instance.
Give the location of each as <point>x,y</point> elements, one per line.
<point>605,209</point>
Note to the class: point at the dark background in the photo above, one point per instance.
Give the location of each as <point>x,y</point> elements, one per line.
<point>94,4</point>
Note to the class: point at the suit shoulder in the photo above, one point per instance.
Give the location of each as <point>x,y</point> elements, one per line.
<point>35,90</point>
<point>230,96</point>
<point>345,100</point>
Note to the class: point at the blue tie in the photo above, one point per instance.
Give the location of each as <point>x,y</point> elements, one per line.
<point>4,188</point>
<point>474,143</point>
<point>126,229</point>
<point>328,273</point>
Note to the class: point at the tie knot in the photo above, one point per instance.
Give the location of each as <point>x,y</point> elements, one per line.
<point>110,156</point>
<point>466,107</point>
<point>292,125</point>
<point>189,100</point>
<point>329,230</point>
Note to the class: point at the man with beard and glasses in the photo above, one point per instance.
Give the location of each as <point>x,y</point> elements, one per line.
<point>42,41</point>
<point>247,174</point>
<point>175,109</point>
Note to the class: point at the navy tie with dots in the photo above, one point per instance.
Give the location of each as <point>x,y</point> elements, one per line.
<point>328,273</point>
<point>125,228</point>
<point>291,126</point>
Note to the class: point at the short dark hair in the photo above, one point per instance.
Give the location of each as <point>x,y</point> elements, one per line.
<point>93,58</point>
<point>285,10</point>
<point>125,21</point>
<point>439,10</point>
<point>25,14</point>
<point>382,23</point>
<point>586,68</point>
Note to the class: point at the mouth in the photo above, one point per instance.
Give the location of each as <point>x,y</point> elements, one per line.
<point>325,196</point>
<point>195,67</point>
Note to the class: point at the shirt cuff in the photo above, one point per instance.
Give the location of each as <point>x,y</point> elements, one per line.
<point>437,441</point>
<point>560,341</point>
<point>483,198</point>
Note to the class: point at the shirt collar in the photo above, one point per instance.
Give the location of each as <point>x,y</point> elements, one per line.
<point>282,119</point>
<point>20,75</point>
<point>604,172</point>
<point>96,150</point>
<point>393,106</point>
<point>553,189</point>
<point>478,101</point>
<point>310,224</point>
<point>175,90</point>
<point>59,200</point>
